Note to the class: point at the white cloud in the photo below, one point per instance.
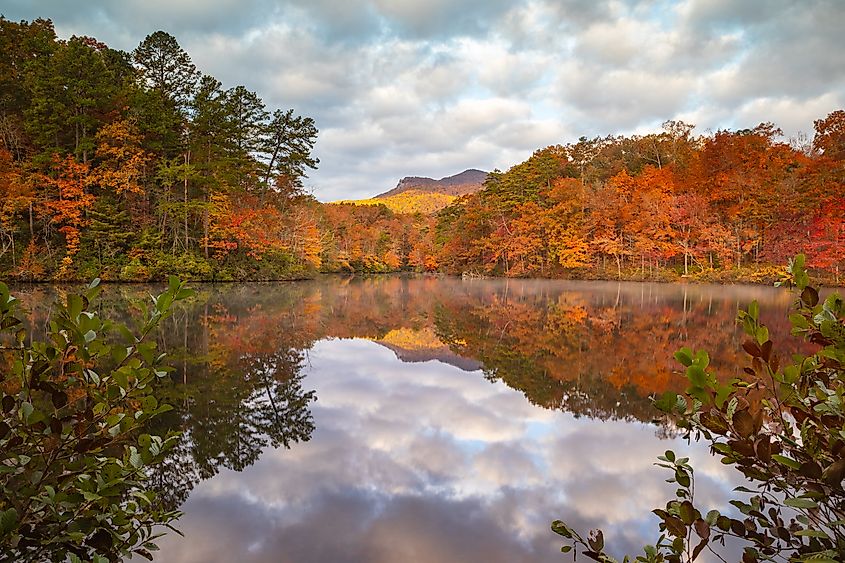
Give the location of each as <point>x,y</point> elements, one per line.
<point>434,87</point>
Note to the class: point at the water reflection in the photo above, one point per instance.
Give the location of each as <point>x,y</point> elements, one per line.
<point>422,445</point>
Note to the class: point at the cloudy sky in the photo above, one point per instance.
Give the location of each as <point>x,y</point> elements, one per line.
<point>432,87</point>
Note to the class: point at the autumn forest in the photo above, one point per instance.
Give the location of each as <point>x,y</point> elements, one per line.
<point>133,166</point>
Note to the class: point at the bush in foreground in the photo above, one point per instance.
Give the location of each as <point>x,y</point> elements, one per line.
<point>782,426</point>
<point>73,450</point>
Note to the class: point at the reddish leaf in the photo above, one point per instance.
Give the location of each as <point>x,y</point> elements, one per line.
<point>743,423</point>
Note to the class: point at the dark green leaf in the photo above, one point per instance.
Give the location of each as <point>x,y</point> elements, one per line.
<point>8,521</point>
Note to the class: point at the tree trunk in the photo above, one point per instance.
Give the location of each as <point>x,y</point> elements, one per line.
<point>185,194</point>
<point>205,230</point>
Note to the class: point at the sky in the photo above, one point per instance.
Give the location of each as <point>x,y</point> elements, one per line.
<point>433,87</point>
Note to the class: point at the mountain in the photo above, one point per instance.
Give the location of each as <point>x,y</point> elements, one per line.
<point>416,194</point>
<point>467,182</point>
<point>413,346</point>
<point>411,201</point>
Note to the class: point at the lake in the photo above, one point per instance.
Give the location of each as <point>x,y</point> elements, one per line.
<point>428,419</point>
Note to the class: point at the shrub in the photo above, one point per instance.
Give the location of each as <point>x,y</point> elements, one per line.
<point>782,427</point>
<point>73,451</point>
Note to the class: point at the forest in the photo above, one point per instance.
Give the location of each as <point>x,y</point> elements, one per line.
<point>720,206</point>
<point>133,166</point>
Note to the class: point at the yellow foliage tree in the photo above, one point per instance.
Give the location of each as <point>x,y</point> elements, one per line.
<point>123,162</point>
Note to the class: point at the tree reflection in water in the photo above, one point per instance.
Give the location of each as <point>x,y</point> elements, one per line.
<point>597,350</point>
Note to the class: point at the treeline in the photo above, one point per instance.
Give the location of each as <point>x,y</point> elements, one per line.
<point>731,206</point>
<point>724,205</point>
<point>135,165</point>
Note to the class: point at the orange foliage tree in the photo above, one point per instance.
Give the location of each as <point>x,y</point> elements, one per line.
<point>66,202</point>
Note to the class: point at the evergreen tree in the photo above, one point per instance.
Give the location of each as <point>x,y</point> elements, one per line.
<point>288,142</point>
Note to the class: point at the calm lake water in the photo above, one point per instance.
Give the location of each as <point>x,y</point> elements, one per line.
<point>428,419</point>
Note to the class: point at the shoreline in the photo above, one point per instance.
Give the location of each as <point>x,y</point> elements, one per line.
<point>683,280</point>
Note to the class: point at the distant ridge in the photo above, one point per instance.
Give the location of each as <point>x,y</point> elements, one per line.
<point>416,194</point>
<point>467,182</point>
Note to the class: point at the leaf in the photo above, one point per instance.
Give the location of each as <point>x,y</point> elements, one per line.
<point>834,473</point>
<point>149,403</point>
<point>101,540</point>
<point>26,410</point>
<point>687,512</point>
<point>743,423</point>
<point>596,541</point>
<point>799,321</point>
<point>173,283</point>
<point>712,517</point>
<point>752,348</point>
<point>135,459</point>
<point>184,294</point>
<point>801,502</point>
<point>561,529</point>
<point>810,470</point>
<point>702,359</point>
<point>59,399</point>
<point>8,521</point>
<point>120,377</point>
<point>749,555</point>
<point>762,335</point>
<point>675,526</point>
<point>697,375</point>
<point>810,296</point>
<point>702,528</point>
<point>783,460</point>
<point>667,402</point>
<point>812,534</point>
<point>684,356</point>
<point>766,350</point>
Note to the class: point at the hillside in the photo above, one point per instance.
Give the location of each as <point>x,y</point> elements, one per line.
<point>417,194</point>
<point>410,201</point>
<point>467,182</point>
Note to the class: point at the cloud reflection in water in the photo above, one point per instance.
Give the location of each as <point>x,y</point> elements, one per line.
<point>426,462</point>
